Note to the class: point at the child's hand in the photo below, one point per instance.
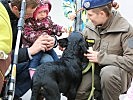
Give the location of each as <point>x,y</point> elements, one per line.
<point>64,30</point>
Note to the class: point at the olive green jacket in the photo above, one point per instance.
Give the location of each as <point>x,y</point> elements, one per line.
<point>114,41</point>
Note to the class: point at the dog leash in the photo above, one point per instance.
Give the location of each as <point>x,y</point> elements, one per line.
<point>92,66</point>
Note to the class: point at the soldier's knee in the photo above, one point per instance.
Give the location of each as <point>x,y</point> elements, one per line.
<point>106,76</point>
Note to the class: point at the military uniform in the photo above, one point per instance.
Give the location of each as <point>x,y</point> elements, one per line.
<point>114,42</point>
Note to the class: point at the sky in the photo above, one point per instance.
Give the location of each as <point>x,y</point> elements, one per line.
<point>125,9</point>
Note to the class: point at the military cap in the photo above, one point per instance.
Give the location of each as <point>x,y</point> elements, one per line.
<point>90,4</point>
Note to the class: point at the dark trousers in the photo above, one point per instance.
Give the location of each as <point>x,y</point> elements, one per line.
<point>23,80</point>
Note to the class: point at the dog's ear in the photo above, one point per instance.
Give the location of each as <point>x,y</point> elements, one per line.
<point>63,42</point>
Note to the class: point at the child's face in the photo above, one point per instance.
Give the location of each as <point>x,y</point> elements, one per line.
<point>42,14</point>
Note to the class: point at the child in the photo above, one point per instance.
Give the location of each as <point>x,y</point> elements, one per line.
<point>40,24</point>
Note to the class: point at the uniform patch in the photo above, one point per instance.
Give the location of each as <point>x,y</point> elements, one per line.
<point>130,43</point>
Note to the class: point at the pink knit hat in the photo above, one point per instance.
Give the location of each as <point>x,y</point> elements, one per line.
<point>44,5</point>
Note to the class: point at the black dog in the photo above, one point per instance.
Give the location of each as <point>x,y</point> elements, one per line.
<point>62,76</point>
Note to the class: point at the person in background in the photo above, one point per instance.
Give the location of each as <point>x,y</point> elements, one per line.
<point>40,24</point>
<point>75,13</point>
<point>112,51</point>
<point>5,43</point>
<point>23,80</point>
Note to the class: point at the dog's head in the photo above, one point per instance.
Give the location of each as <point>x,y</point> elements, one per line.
<point>75,39</point>
<point>75,46</point>
<point>63,42</point>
